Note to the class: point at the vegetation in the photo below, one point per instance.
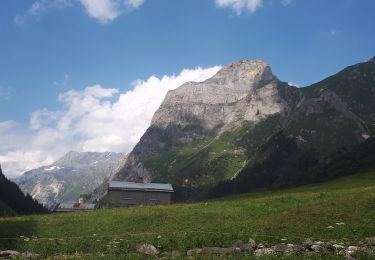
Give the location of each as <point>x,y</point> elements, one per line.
<point>281,162</point>
<point>291,214</point>
<point>13,201</point>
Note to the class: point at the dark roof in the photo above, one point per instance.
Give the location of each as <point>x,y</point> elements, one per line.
<point>119,185</point>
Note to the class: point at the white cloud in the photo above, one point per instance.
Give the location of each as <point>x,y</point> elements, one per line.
<point>104,11</point>
<point>286,2</point>
<point>239,5</point>
<point>64,81</point>
<point>39,7</point>
<point>94,119</point>
<point>330,33</point>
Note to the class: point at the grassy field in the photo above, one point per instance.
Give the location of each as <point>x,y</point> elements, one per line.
<point>292,214</point>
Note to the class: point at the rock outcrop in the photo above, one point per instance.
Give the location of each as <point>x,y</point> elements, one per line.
<point>207,132</point>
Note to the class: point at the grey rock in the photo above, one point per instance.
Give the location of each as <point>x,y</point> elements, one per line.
<point>9,253</point>
<point>308,243</point>
<point>264,252</point>
<point>370,241</point>
<point>147,249</point>
<point>280,248</point>
<point>247,248</point>
<point>288,249</point>
<point>293,249</point>
<point>352,251</point>
<point>194,252</point>
<point>253,243</point>
<point>29,255</point>
<point>318,249</point>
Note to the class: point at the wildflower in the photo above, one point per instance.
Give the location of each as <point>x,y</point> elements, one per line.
<point>284,239</point>
<point>340,223</point>
<point>159,236</point>
<point>27,239</point>
<point>330,227</point>
<point>22,236</point>
<point>98,240</point>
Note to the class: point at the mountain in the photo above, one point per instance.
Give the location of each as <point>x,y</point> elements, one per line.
<point>208,132</point>
<point>66,179</point>
<point>13,201</point>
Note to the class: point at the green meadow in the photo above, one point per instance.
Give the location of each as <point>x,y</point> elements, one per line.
<point>270,217</point>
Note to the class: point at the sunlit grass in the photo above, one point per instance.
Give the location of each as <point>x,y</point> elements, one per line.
<point>291,214</point>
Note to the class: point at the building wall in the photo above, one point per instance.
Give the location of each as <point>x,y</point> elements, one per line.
<point>119,198</point>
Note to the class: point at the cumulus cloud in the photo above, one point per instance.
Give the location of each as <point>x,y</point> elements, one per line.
<point>286,2</point>
<point>239,5</point>
<point>64,81</point>
<point>104,11</point>
<point>39,7</point>
<point>93,119</point>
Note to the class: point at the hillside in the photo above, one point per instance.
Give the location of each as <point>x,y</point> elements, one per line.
<point>66,179</point>
<point>289,216</point>
<point>13,201</point>
<point>209,132</point>
<point>5,210</point>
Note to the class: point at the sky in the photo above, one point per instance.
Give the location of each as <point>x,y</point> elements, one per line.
<point>87,75</point>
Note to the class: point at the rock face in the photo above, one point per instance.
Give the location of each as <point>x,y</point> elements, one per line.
<point>246,90</point>
<point>207,132</point>
<point>64,180</point>
<point>242,91</point>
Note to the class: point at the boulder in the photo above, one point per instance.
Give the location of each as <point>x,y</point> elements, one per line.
<point>339,249</point>
<point>253,243</point>
<point>370,241</point>
<point>247,248</point>
<point>9,253</point>
<point>148,249</point>
<point>280,248</point>
<point>194,252</point>
<point>352,251</point>
<point>318,249</point>
<point>29,255</point>
<point>308,243</point>
<point>264,252</point>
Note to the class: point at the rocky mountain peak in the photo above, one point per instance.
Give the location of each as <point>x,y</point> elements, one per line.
<point>212,101</point>
<point>372,59</point>
<point>251,70</point>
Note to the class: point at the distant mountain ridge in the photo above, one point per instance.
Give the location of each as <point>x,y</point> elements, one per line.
<point>208,132</point>
<point>66,179</point>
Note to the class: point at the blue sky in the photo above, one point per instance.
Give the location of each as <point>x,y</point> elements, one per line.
<point>49,48</point>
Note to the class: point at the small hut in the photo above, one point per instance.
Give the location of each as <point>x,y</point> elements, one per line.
<point>125,194</point>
